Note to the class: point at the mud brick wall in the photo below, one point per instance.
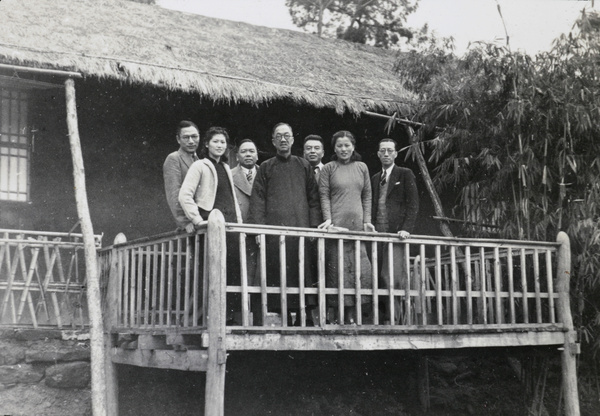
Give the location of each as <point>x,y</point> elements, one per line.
<point>44,372</point>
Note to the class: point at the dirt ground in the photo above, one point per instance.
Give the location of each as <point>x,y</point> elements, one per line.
<point>359,383</point>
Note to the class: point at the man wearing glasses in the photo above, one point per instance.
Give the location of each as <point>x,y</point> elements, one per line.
<point>175,168</point>
<point>395,207</point>
<point>285,193</point>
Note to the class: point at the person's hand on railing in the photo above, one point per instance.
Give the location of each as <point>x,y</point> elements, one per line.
<point>190,228</point>
<point>403,234</point>
<point>325,226</point>
<point>368,227</point>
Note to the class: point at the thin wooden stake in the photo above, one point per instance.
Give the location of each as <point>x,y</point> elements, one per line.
<point>91,266</point>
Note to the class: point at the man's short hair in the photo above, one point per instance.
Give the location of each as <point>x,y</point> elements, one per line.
<point>237,148</point>
<point>388,141</point>
<point>280,124</point>
<point>186,123</point>
<point>314,137</point>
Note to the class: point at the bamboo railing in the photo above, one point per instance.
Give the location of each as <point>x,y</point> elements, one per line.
<point>452,283</point>
<point>42,280</point>
<point>158,281</point>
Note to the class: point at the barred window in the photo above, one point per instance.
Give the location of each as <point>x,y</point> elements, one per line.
<point>14,145</point>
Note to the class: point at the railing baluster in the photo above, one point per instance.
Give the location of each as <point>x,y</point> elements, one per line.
<point>321,283</point>
<point>409,276</point>
<point>205,280</point>
<point>187,284</point>
<point>489,271</point>
<point>263,278</point>
<point>244,279</point>
<point>178,283</point>
<point>392,299</point>
<point>448,288</point>
<point>340,270</point>
<point>524,286</point>
<point>438,285</point>
<point>536,275</point>
<point>170,283</point>
<point>147,286</point>
<point>195,295</point>
<point>454,282</point>
<point>483,284</point>
<point>357,286</point>
<point>468,283</point>
<point>120,280</point>
<point>421,285</point>
<point>283,282</point>
<point>125,285</point>
<point>155,254</point>
<point>511,285</point>
<point>550,281</point>
<point>132,281</point>
<point>498,285</point>
<point>161,300</point>
<point>139,287</point>
<point>301,277</point>
<point>375,282</point>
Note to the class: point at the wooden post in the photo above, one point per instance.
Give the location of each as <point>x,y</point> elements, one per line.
<point>110,320</point>
<point>91,264</point>
<point>435,198</point>
<point>423,381</point>
<point>570,348</point>
<point>217,354</point>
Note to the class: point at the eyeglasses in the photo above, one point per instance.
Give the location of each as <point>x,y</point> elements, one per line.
<point>384,151</point>
<point>286,136</point>
<point>190,136</point>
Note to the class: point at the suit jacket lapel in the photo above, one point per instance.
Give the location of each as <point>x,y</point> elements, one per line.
<point>394,177</point>
<point>186,158</point>
<point>240,181</point>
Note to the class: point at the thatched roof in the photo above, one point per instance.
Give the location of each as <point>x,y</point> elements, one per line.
<point>222,60</point>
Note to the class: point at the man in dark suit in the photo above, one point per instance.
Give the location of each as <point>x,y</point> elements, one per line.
<point>395,207</point>
<point>244,174</point>
<point>175,168</point>
<point>243,179</point>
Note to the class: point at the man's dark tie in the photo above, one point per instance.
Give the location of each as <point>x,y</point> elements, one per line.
<point>383,179</point>
<point>316,169</point>
<point>249,176</point>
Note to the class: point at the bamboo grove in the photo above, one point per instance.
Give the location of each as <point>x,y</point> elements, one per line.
<point>516,140</point>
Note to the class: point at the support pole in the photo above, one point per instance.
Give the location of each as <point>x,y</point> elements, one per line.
<point>423,381</point>
<point>435,198</point>
<point>111,320</point>
<point>91,264</point>
<point>217,279</point>
<point>570,348</point>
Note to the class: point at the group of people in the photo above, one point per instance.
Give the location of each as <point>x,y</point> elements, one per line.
<point>292,191</point>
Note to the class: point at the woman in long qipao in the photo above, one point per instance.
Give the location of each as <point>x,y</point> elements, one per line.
<point>345,191</point>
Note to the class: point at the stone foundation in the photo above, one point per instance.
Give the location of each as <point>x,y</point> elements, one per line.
<point>44,372</point>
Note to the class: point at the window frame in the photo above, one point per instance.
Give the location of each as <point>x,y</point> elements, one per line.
<point>14,109</point>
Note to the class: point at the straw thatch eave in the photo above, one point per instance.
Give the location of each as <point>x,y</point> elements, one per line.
<point>218,59</point>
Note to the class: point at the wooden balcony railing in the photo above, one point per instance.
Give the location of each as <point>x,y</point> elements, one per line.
<point>42,280</point>
<point>452,283</point>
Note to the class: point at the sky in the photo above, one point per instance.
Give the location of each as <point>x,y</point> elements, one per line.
<point>532,25</point>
